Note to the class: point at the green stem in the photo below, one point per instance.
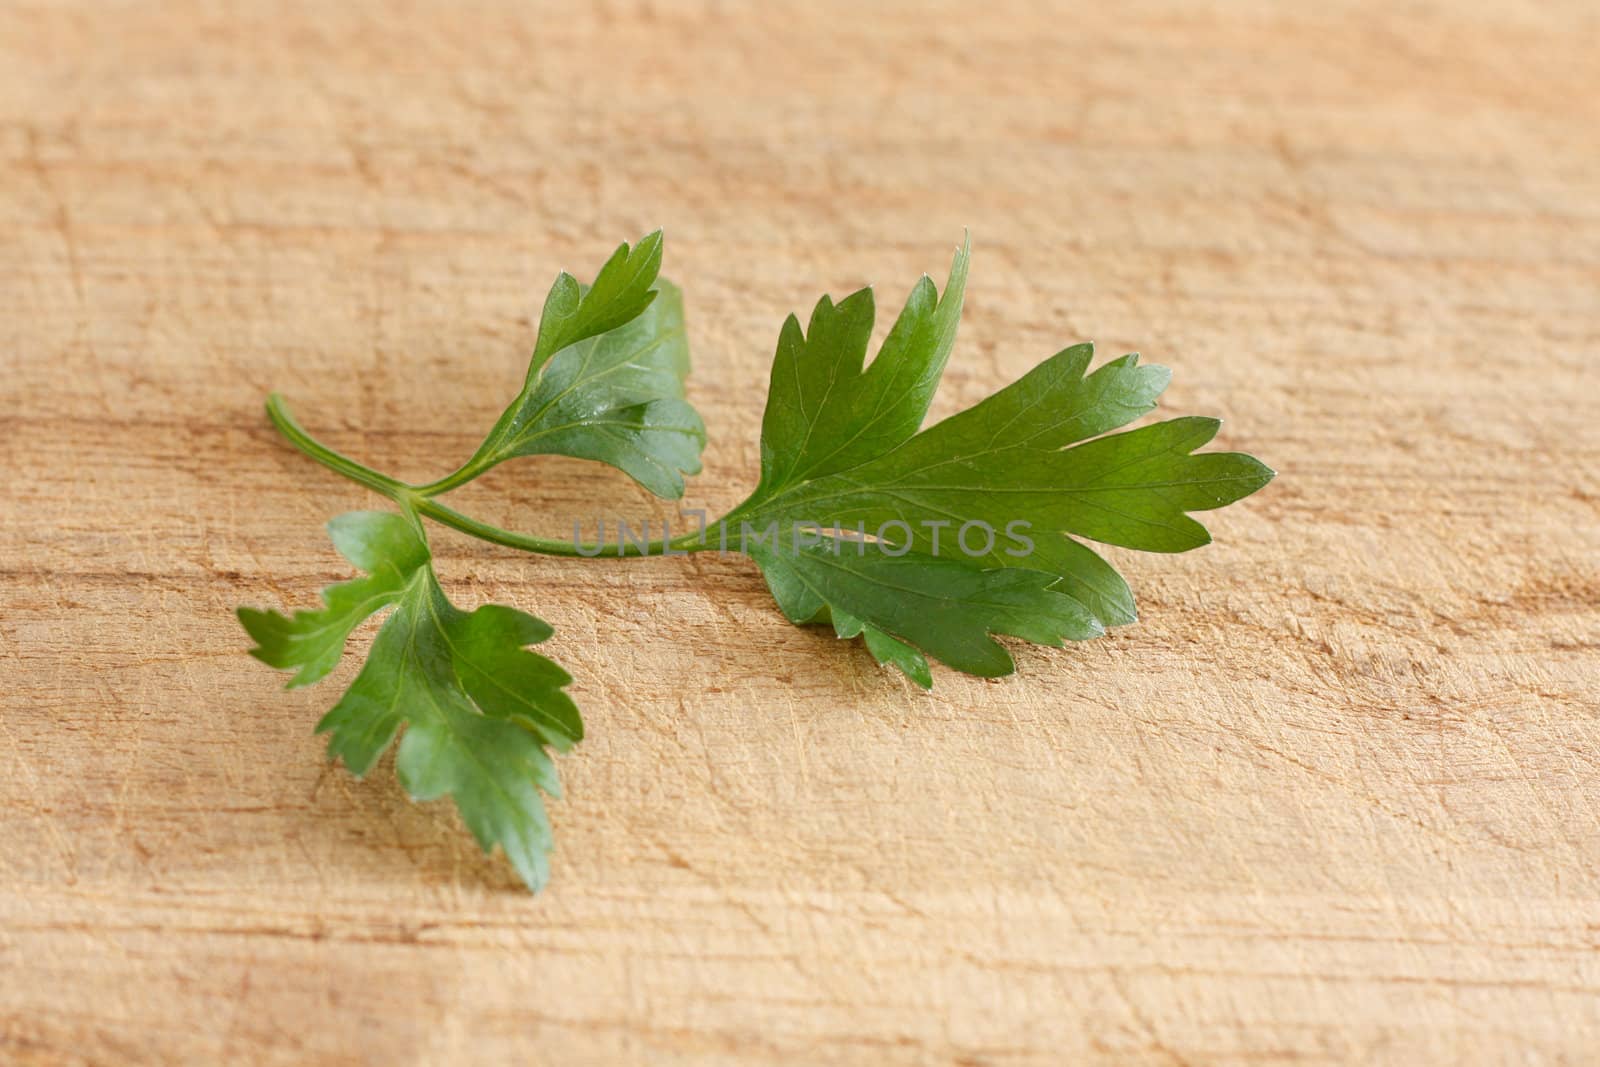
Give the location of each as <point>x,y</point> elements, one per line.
<point>417,499</point>
<point>548,546</point>
<point>454,480</point>
<point>337,462</point>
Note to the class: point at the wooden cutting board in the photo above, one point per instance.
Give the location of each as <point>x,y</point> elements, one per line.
<point>1334,797</point>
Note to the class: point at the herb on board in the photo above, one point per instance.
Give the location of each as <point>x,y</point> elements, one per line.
<point>924,542</point>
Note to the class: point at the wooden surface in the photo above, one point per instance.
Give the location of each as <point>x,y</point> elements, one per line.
<point>1333,799</point>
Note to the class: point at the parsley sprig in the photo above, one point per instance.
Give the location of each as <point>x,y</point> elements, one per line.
<point>845,523</point>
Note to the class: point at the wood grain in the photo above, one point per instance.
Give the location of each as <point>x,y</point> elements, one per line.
<point>1334,798</point>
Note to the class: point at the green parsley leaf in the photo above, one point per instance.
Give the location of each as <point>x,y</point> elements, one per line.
<point>606,379</point>
<point>900,602</point>
<point>840,449</point>
<point>312,642</point>
<point>825,414</point>
<point>477,707</point>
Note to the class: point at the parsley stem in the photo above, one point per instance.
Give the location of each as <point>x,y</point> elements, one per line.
<point>338,462</point>
<point>415,499</point>
<point>548,546</point>
<point>454,480</point>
